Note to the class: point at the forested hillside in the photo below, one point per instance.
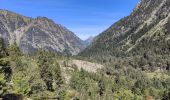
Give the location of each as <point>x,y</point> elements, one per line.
<point>128,61</point>
<point>46,76</point>
<point>142,36</point>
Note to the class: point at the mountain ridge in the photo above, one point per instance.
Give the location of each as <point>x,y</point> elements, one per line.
<point>32,34</point>
<point>89,40</point>
<point>126,34</point>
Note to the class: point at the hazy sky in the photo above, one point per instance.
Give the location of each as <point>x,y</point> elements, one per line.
<point>84,17</point>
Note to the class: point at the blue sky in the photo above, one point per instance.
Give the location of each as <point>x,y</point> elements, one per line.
<point>84,17</point>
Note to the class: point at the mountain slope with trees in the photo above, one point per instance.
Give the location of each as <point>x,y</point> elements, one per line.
<point>143,34</point>
<point>132,58</point>
<point>41,77</point>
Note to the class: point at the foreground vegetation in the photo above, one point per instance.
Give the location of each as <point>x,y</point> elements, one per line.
<point>41,77</point>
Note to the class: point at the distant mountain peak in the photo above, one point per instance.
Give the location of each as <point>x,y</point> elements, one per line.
<point>89,40</point>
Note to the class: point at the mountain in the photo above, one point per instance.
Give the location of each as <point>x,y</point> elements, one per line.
<point>140,40</point>
<point>89,40</point>
<point>145,31</point>
<point>39,33</point>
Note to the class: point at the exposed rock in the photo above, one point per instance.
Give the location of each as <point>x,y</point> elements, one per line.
<point>146,29</point>
<point>39,33</point>
<point>89,40</point>
<point>79,64</point>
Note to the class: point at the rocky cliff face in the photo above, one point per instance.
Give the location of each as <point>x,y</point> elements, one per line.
<point>39,33</point>
<point>146,29</point>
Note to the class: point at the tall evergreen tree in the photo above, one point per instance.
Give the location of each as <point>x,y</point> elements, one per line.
<point>49,71</point>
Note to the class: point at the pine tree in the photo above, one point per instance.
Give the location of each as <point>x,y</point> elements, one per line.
<point>101,87</point>
<point>49,71</point>
<point>14,52</point>
<point>4,62</point>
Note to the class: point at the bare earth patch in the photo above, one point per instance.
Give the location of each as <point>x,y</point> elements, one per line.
<point>88,66</point>
<point>80,64</point>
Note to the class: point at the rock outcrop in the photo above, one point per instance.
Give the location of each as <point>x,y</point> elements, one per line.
<point>39,33</point>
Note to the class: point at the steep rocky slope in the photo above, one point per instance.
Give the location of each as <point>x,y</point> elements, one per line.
<point>39,33</point>
<point>145,30</point>
<point>89,40</point>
